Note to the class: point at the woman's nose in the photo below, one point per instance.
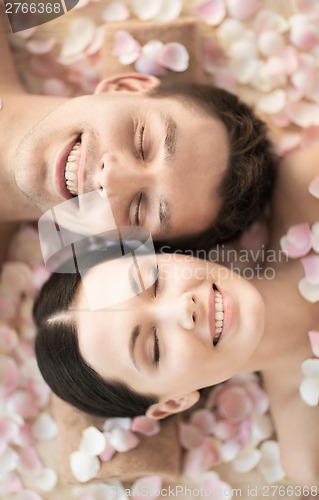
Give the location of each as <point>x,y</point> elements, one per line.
<point>182,311</point>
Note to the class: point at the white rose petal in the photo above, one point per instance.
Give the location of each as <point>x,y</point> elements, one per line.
<point>84,467</point>
<point>93,441</point>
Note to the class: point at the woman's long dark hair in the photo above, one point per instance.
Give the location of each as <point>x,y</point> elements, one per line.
<point>59,357</point>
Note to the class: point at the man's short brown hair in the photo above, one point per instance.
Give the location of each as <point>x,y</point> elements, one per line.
<point>248,182</point>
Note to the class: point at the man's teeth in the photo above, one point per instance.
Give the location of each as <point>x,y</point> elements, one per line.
<point>219,316</point>
<point>71,169</point>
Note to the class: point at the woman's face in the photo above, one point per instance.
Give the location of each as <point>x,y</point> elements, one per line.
<point>197,325</point>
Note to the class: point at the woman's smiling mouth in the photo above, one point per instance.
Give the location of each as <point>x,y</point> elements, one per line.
<point>216,314</point>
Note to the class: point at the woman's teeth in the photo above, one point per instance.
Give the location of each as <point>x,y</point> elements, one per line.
<point>71,169</point>
<point>219,316</point>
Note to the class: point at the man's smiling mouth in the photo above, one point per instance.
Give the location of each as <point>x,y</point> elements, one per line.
<point>72,166</point>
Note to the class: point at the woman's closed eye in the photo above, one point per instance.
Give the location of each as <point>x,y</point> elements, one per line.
<point>156,280</point>
<point>156,349</point>
<point>140,141</point>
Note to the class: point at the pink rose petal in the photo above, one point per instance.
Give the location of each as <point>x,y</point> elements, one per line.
<point>8,339</point>
<point>247,460</point>
<point>150,484</point>
<point>315,237</point>
<point>146,9</point>
<point>243,10</point>
<point>126,47</point>
<point>123,440</point>
<point>147,62</point>
<point>311,267</point>
<point>229,450</point>
<point>204,420</point>
<point>212,12</point>
<point>107,453</point>
<point>230,30</point>
<point>314,187</point>
<point>287,143</point>
<point>303,5</point>
<point>310,368</point>
<point>145,425</point>
<point>297,241</point>
<point>41,46</point>
<point>259,397</point>
<point>303,34</point>
<point>269,20</point>
<point>24,403</point>
<point>273,102</point>
<point>84,467</point>
<point>244,434</point>
<point>11,483</point>
<point>309,391</point>
<point>233,403</point>
<point>192,462</point>
<point>173,56</point>
<point>314,341</point>
<point>9,375</point>
<point>114,423</point>
<point>44,428</point>
<point>280,119</point>
<point>190,436</point>
<point>29,461</point>
<point>269,464</point>
<point>81,34</point>
<point>115,11</point>
<point>211,452</point>
<point>270,43</point>
<point>262,428</point>
<point>226,429</point>
<point>302,113</point>
<point>308,291</point>
<point>169,11</point>
<point>214,57</point>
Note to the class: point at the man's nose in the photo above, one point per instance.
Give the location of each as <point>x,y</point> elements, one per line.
<point>181,311</point>
<point>119,176</point>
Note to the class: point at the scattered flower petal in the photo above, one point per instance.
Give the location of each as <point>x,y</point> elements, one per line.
<point>270,43</point>
<point>81,34</point>
<point>190,436</point>
<point>169,11</point>
<point>269,20</point>
<point>315,237</point>
<point>113,423</point>
<point>212,12</point>
<point>44,428</point>
<point>229,450</point>
<point>314,187</point>
<point>204,420</point>
<point>45,480</point>
<point>93,441</point>
<point>302,113</point>
<point>147,62</point>
<point>234,404</point>
<point>146,9</point>
<point>269,464</point>
<point>229,31</point>
<point>173,56</point>
<point>247,460</point>
<point>123,440</point>
<point>302,33</point>
<point>126,47</point>
<point>242,10</point>
<point>314,342</point>
<point>311,267</point>
<point>145,425</point>
<point>41,46</point>
<point>273,102</point>
<point>310,368</point>
<point>115,11</point>
<point>84,467</point>
<point>287,143</point>
<point>297,241</point>
<point>308,291</point>
<point>309,391</point>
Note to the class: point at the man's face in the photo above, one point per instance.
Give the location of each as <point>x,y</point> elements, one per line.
<point>159,162</point>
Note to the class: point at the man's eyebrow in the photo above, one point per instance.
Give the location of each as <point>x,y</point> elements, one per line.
<point>164,215</point>
<point>135,333</point>
<point>170,138</point>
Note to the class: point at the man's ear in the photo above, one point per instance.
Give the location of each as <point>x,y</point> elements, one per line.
<point>132,82</point>
<point>165,408</point>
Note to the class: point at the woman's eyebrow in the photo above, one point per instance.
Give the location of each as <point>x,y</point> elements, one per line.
<point>135,333</point>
